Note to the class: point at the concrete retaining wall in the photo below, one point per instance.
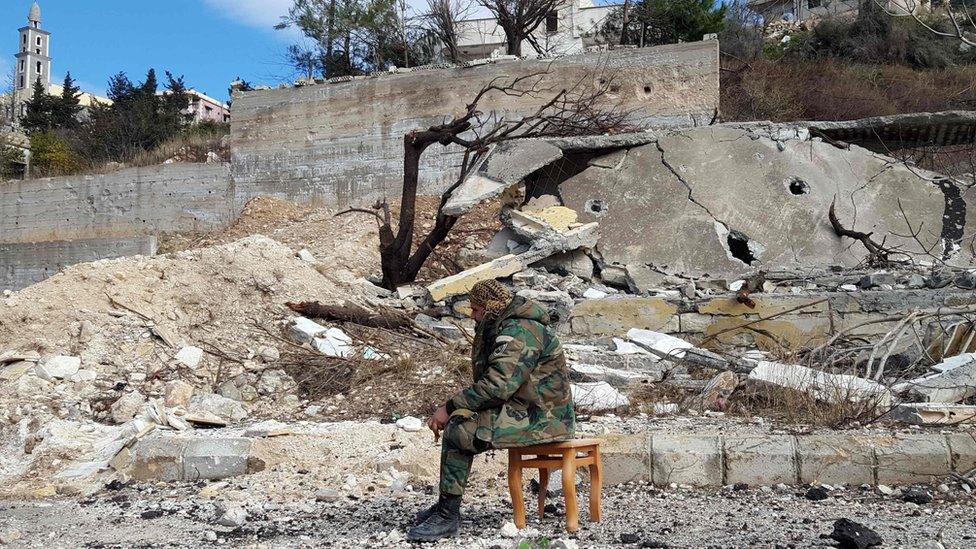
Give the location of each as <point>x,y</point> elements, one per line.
<point>342,142</point>
<point>662,458</point>
<point>134,201</point>
<point>24,264</point>
<point>798,329</point>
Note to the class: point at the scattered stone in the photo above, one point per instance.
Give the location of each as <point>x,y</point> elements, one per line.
<point>223,407</point>
<point>716,393</point>
<point>190,357</point>
<point>591,293</point>
<point>268,354</point>
<point>915,281</point>
<point>58,367</point>
<point>629,538</point>
<point>848,288</point>
<point>83,376</point>
<point>817,493</point>
<point>126,407</point>
<point>940,278</point>
<point>917,495</point>
<point>851,535</point>
<point>178,393</point>
<point>966,280</point>
<point>410,424</point>
<point>13,372</point>
<point>509,530</point>
<point>885,490</point>
<point>268,428</point>
<point>307,256</point>
<point>328,494</point>
<point>875,280</point>
<point>233,517</point>
<point>597,397</point>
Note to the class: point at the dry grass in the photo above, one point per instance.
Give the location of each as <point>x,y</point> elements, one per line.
<point>195,145</point>
<point>830,89</point>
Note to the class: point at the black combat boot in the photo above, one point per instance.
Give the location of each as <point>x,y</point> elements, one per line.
<point>443,520</point>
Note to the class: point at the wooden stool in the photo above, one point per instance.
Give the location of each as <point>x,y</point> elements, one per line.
<point>559,455</point>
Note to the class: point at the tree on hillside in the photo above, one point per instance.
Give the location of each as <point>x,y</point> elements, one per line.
<point>442,18</point>
<point>139,118</point>
<point>957,19</point>
<point>573,111</point>
<point>351,37</point>
<point>653,22</point>
<point>39,115</point>
<point>520,18</point>
<point>67,106</point>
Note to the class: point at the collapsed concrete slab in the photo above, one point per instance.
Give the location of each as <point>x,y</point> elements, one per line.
<point>833,388</point>
<point>954,380</point>
<point>933,413</point>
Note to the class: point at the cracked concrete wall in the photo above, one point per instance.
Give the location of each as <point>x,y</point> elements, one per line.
<point>702,201</point>
<point>27,263</point>
<point>342,142</point>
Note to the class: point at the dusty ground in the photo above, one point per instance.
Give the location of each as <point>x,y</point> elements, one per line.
<point>183,516</point>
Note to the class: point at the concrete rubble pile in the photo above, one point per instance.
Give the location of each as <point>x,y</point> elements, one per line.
<point>170,368</point>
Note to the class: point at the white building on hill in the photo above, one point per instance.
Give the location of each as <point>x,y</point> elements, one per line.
<point>802,10</point>
<point>566,31</point>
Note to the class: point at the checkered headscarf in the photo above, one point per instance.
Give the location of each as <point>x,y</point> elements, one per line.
<point>492,295</point>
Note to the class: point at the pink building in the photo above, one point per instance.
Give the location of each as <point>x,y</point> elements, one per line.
<point>206,108</point>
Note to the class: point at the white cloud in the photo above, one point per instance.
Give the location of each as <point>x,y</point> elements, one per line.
<point>262,14</point>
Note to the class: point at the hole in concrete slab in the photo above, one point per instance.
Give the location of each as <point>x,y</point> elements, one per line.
<point>647,88</point>
<point>798,186</point>
<point>742,248</point>
<point>596,207</point>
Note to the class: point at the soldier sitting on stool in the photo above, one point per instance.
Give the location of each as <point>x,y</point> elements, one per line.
<point>520,397</point>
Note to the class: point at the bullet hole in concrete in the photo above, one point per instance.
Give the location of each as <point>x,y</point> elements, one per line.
<point>798,186</point>
<point>647,88</point>
<point>596,207</point>
<point>742,248</point>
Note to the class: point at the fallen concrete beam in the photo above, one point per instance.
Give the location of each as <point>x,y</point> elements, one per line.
<point>933,413</point>
<point>461,283</point>
<point>954,380</point>
<point>834,388</point>
<point>505,165</point>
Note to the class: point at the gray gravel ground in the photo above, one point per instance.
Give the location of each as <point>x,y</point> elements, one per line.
<point>175,516</point>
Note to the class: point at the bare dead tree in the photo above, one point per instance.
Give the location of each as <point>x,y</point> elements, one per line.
<point>962,25</point>
<point>443,18</point>
<point>577,110</point>
<point>520,18</point>
<point>878,254</point>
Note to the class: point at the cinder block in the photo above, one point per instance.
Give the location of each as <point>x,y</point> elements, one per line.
<point>686,459</point>
<point>761,460</point>
<point>906,459</point>
<point>616,315</point>
<point>626,458</point>
<point>157,458</point>
<point>963,451</point>
<point>836,459</point>
<point>215,458</point>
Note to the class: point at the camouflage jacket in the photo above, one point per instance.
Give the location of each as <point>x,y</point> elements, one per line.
<point>521,394</point>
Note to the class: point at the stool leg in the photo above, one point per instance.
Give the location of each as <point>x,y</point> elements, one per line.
<point>543,488</point>
<point>569,489</point>
<point>596,484</point>
<point>515,487</point>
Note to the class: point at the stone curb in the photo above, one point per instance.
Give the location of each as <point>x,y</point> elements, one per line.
<point>767,460</point>
<point>660,458</point>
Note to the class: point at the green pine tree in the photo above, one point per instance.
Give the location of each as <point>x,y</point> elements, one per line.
<point>40,110</point>
<point>68,105</point>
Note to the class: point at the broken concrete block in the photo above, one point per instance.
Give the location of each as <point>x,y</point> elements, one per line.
<point>223,407</point>
<point>190,357</point>
<point>410,424</point>
<point>597,397</point>
<point>954,380</point>
<point>83,376</point>
<point>613,376</point>
<point>761,461</point>
<point>875,280</point>
<point>536,223</point>
<point>157,458</point>
<point>307,256</point>
<point>910,458</point>
<point>462,282</point>
<point>269,428</point>
<point>558,304</point>
<point>302,329</point>
<point>715,395</point>
<point>695,460</point>
<point>57,367</point>
<point>506,165</point>
<point>126,407</point>
<point>933,413</point>
<point>575,262</point>
<point>962,447</point>
<point>616,315</point>
<point>335,343</point>
<point>591,293</point>
<point>215,458</point>
<point>835,459</point>
<point>626,458</point>
<point>13,371</point>
<point>821,385</point>
<point>662,343</point>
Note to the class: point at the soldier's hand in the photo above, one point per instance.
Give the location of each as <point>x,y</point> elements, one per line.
<point>438,421</point>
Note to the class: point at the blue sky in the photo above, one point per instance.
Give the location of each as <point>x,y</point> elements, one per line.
<point>210,42</point>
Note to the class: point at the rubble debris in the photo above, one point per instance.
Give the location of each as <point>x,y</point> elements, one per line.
<point>817,493</point>
<point>58,367</point>
<point>190,357</point>
<point>598,396</point>
<point>851,535</point>
<point>223,407</point>
<point>933,413</point>
<point>659,344</point>
<point>268,428</point>
<point>716,393</point>
<point>125,408</point>
<point>233,517</point>
<point>613,376</point>
<point>178,394</point>
<point>548,243</point>
<point>348,311</point>
<point>410,424</point>
<point>917,495</point>
<point>954,381</point>
<point>833,388</point>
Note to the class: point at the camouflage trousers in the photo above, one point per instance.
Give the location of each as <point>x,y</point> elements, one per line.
<point>459,446</point>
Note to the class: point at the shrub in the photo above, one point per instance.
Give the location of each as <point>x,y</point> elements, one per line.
<point>51,155</point>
